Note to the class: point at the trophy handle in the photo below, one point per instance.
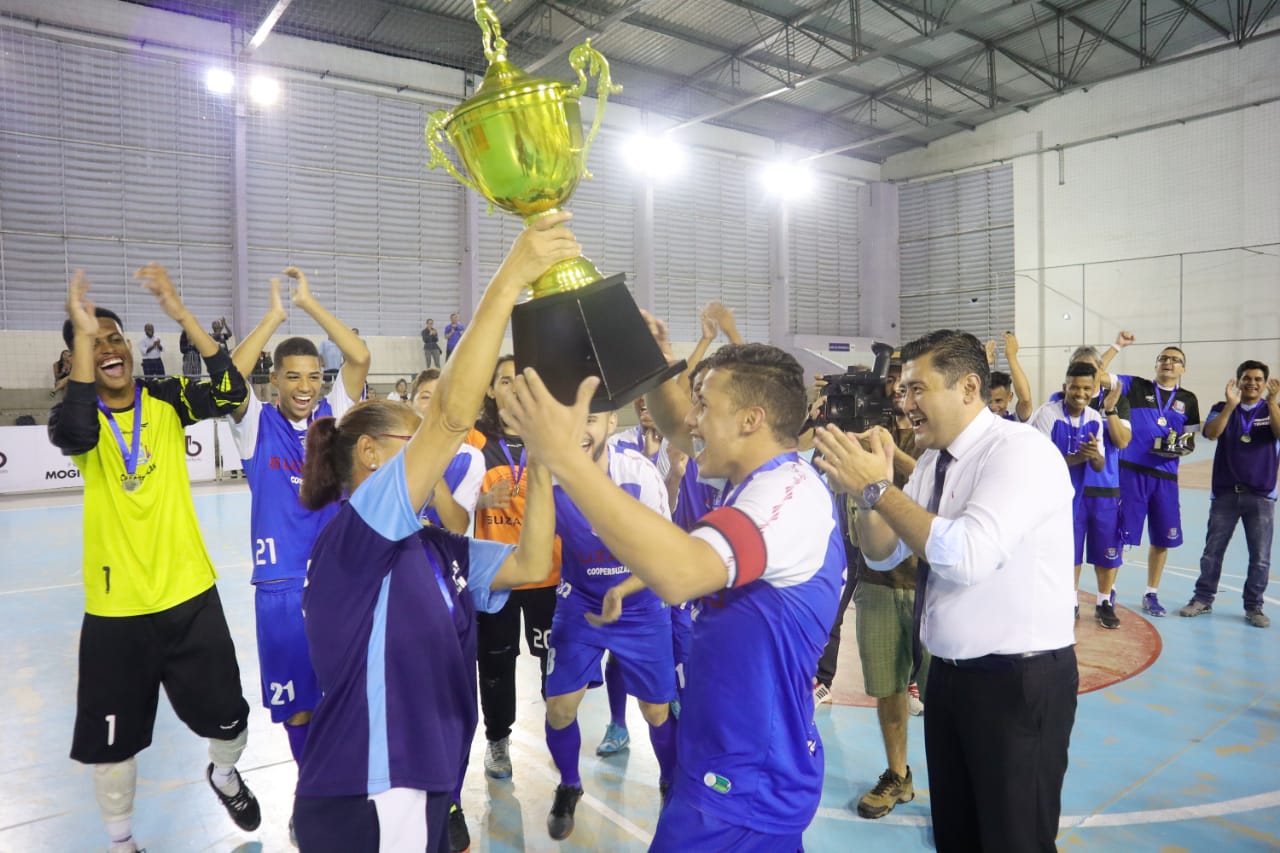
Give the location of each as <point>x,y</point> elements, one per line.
<point>435,135</point>
<point>586,59</point>
<point>495,46</point>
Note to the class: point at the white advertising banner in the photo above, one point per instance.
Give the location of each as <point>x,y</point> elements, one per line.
<point>29,463</point>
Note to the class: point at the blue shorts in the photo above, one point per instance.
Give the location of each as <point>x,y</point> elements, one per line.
<point>681,640</point>
<point>642,649</point>
<point>1097,521</point>
<point>1154,500</point>
<point>288,681</point>
<point>683,827</point>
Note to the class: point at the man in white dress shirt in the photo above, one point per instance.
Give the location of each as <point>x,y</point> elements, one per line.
<point>995,594</point>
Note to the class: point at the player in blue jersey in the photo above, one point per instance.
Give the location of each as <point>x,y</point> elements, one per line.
<point>602,606</point>
<point>391,605</point>
<point>270,440</point>
<point>1149,482</point>
<point>453,503</point>
<point>1104,539</point>
<point>766,566</point>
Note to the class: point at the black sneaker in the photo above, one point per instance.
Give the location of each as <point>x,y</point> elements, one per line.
<point>1106,615</point>
<point>459,837</point>
<point>242,806</point>
<point>560,821</point>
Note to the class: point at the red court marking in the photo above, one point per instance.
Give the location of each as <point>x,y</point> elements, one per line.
<point>1105,656</point>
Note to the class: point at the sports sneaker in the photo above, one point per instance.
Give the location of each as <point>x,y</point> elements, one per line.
<point>1257,618</point>
<point>888,792</point>
<point>1113,596</point>
<point>242,806</point>
<point>914,705</point>
<point>1106,615</point>
<point>560,820</point>
<point>459,837</point>
<point>615,740</point>
<point>1152,605</point>
<point>821,694</point>
<point>497,759</point>
<point>1195,607</point>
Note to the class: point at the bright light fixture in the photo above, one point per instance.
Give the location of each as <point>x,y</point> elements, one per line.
<point>655,156</point>
<point>264,90</point>
<point>789,180</point>
<point>220,81</point>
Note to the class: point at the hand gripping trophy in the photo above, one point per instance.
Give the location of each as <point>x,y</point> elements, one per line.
<point>520,140</point>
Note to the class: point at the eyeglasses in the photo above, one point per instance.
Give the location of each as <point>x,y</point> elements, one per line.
<point>393,435</point>
<point>1161,359</point>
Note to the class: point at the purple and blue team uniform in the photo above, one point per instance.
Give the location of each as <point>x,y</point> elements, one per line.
<point>1104,536</point>
<point>282,532</point>
<point>750,760</point>
<point>694,499</point>
<point>463,476</point>
<point>641,638</point>
<point>1067,434</point>
<point>390,617</point>
<point>1149,483</point>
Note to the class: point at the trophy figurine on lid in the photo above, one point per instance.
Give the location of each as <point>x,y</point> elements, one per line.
<point>520,140</point>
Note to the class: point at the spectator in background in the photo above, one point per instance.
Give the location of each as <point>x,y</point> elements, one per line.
<point>452,334</point>
<point>431,344</point>
<point>190,357</point>
<point>61,372</point>
<point>1011,386</point>
<point>262,376</point>
<point>222,334</point>
<point>401,393</point>
<point>331,355</point>
<point>152,363</point>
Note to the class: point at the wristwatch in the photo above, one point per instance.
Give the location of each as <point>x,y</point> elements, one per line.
<point>872,494</point>
<point>1109,412</point>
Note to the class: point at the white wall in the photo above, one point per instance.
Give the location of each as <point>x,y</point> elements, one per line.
<point>1161,174</point>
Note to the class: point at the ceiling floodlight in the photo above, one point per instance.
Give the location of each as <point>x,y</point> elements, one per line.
<point>789,180</point>
<point>220,81</point>
<point>655,156</point>
<point>264,90</point>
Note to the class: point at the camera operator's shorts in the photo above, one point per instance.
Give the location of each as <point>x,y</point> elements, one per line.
<point>884,625</point>
<point>1153,499</point>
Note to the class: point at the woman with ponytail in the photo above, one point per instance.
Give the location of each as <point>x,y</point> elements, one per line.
<point>390,605</point>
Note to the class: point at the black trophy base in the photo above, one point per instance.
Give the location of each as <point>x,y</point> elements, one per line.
<point>595,330</point>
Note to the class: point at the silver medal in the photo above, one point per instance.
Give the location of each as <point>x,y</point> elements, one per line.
<point>1246,438</point>
<point>131,484</point>
<point>1162,421</point>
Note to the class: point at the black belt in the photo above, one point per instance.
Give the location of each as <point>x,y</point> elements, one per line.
<point>1000,662</point>
<point>1242,489</point>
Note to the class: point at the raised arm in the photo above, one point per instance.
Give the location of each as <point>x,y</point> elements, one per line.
<point>355,355</point>
<point>451,413</point>
<point>73,423</point>
<point>1021,387</point>
<point>1214,427</point>
<point>669,402</point>
<point>155,279</point>
<point>245,355</point>
<point>1123,339</point>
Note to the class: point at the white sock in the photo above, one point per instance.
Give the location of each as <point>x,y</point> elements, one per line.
<point>1151,590</point>
<point>120,831</point>
<point>225,779</point>
<point>1104,598</point>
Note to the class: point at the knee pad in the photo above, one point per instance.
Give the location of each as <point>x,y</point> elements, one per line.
<point>114,786</point>
<point>225,753</point>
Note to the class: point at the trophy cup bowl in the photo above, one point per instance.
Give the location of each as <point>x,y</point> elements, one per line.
<point>521,143</point>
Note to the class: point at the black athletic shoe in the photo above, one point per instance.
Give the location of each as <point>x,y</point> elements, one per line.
<point>242,806</point>
<point>459,836</point>
<point>560,821</point>
<point>1106,615</point>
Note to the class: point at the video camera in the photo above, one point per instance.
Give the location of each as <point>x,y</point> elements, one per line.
<point>855,401</point>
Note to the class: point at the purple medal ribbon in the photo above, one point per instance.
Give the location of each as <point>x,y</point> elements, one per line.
<point>1162,405</point>
<point>130,456</point>
<point>516,472</point>
<point>1076,434</point>
<point>1246,424</point>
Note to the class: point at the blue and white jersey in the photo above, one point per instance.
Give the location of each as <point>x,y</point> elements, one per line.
<point>588,569</point>
<point>1104,483</point>
<point>1149,404</point>
<point>1067,433</point>
<point>463,477</point>
<point>748,745</point>
<point>390,619</point>
<point>695,498</point>
<point>281,530</point>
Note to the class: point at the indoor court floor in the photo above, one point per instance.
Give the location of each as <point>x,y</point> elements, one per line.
<point>1176,747</point>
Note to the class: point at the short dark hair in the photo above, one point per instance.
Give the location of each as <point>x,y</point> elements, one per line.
<point>768,377</point>
<point>955,355</point>
<point>294,346</point>
<point>1178,350</point>
<point>1253,365</point>
<point>1000,379</point>
<point>69,331</point>
<point>429,375</point>
<point>1081,368</point>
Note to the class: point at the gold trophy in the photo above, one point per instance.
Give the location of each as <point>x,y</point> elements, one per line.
<point>520,140</point>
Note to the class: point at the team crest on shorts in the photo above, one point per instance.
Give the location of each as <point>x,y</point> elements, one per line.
<point>1173,533</point>
<point>1112,553</point>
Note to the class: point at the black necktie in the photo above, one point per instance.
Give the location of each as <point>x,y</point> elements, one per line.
<point>922,566</point>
